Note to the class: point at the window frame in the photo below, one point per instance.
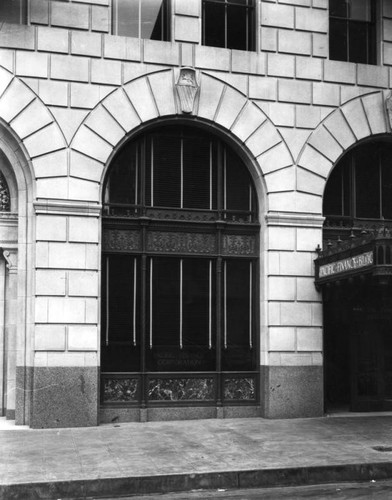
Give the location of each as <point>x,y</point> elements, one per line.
<point>166,21</point>
<point>250,23</point>
<point>371,33</point>
<point>23,15</point>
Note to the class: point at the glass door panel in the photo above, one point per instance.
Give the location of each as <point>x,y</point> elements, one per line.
<point>120,319</point>
<point>181,304</point>
<point>238,313</point>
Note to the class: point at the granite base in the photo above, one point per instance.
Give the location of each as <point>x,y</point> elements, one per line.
<point>114,415</point>
<point>292,391</point>
<point>24,383</point>
<point>64,397</point>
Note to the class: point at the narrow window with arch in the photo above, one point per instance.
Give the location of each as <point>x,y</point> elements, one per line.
<point>359,188</point>
<point>5,201</point>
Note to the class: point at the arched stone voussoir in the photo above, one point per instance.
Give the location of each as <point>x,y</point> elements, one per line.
<point>358,119</point>
<point>28,117</point>
<point>140,94</point>
<point>154,96</point>
<point>226,106</point>
<point>161,85</point>
<point>144,99</point>
<point>88,142</point>
<point>105,125</point>
<point>374,105</point>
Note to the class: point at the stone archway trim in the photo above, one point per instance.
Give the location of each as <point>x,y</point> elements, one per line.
<point>357,119</point>
<point>28,117</point>
<point>152,96</point>
<point>362,117</point>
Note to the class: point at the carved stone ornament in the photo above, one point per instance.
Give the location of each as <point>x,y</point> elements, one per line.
<point>187,89</point>
<point>11,257</point>
<point>388,108</point>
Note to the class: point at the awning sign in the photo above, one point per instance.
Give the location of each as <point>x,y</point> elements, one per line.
<point>346,265</point>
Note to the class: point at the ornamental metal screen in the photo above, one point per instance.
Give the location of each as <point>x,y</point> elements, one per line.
<point>179,273</point>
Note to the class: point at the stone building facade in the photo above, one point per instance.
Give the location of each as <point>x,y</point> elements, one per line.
<point>73,97</point>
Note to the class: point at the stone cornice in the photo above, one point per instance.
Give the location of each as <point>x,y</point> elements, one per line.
<point>8,219</point>
<point>294,220</point>
<point>55,207</point>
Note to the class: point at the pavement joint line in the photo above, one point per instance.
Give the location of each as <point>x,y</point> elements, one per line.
<point>176,483</point>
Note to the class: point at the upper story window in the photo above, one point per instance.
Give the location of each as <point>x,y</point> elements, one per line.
<point>141,19</point>
<point>352,31</point>
<point>13,11</point>
<point>229,24</point>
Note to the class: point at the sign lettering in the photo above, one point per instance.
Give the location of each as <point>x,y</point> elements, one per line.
<point>344,265</point>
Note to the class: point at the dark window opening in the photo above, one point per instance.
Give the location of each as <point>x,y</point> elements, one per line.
<point>180,169</point>
<point>181,305</point>
<point>120,315</point>
<point>147,19</point>
<point>13,11</point>
<point>352,31</point>
<point>229,24</point>
<point>181,314</point>
<point>360,186</point>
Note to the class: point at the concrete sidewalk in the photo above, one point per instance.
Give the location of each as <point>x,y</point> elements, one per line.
<point>137,458</point>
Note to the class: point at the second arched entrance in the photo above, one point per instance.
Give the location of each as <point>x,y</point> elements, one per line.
<point>354,272</point>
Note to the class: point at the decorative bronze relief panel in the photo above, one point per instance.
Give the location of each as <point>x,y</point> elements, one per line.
<point>121,240</point>
<point>236,244</point>
<point>166,242</point>
<point>120,390</point>
<point>242,389</point>
<point>182,215</point>
<point>181,389</point>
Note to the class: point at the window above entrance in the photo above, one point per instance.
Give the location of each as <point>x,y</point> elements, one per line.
<point>179,170</point>
<point>352,31</point>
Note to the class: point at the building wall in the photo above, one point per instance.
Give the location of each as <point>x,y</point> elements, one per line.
<point>71,93</point>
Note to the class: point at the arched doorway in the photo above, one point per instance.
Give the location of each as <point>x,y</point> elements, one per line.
<point>179,274</point>
<point>357,290</point>
<point>12,402</point>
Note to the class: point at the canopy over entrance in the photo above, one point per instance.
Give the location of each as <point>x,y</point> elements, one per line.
<point>366,255</point>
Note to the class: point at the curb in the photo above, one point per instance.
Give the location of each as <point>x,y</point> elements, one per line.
<point>259,478</point>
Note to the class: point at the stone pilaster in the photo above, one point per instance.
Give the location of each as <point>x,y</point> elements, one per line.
<point>10,330</point>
